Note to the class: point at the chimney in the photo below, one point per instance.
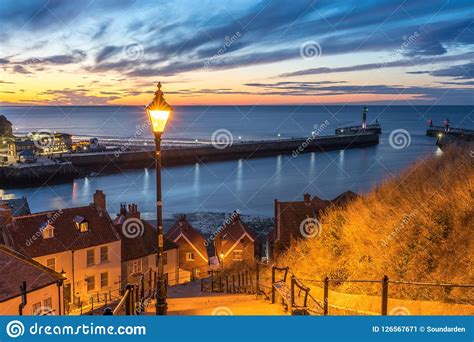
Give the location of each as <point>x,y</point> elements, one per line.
<point>236,215</point>
<point>133,211</point>
<point>123,208</point>
<point>181,223</point>
<point>99,201</point>
<point>307,198</point>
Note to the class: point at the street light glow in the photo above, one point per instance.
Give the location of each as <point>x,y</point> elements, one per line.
<point>158,119</point>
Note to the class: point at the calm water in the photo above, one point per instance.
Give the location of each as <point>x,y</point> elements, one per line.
<point>248,185</point>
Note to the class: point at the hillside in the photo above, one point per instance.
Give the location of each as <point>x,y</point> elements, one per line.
<point>417,226</point>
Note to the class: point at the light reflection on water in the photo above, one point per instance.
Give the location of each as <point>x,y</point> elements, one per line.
<point>248,185</point>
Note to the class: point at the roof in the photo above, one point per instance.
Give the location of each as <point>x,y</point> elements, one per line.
<point>291,214</point>
<point>182,229</point>
<point>19,206</point>
<point>21,268</point>
<point>142,245</point>
<point>25,231</point>
<point>230,235</point>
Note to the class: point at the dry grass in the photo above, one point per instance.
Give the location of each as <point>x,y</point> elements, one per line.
<point>415,227</point>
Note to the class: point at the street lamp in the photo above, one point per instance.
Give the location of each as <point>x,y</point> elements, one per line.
<point>158,112</point>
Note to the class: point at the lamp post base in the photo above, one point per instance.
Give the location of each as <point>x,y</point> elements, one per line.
<point>161,309</point>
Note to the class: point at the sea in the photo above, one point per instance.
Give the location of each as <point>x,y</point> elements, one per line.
<point>248,185</point>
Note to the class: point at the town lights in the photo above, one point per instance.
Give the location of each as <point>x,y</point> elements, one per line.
<point>158,113</point>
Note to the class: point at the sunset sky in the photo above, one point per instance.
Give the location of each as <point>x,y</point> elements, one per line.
<point>236,52</point>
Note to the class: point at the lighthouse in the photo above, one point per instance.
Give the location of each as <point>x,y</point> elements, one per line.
<point>364,118</point>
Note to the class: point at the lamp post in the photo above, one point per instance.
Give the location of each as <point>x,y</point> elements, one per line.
<point>158,112</point>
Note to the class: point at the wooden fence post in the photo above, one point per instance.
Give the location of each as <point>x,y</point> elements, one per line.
<point>233,283</point>
<point>384,295</point>
<point>292,294</point>
<point>226,283</point>
<point>273,282</point>
<point>326,296</point>
<point>257,279</point>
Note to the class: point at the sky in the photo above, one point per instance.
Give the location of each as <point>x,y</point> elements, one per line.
<point>113,52</point>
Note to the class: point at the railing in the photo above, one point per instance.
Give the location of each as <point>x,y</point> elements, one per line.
<point>297,296</point>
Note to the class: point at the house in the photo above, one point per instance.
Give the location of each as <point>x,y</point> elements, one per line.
<point>44,289</point>
<point>139,250</point>
<point>193,257</point>
<point>289,216</point>
<point>81,242</point>
<point>236,242</point>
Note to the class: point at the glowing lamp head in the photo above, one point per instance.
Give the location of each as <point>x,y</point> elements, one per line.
<point>158,119</point>
<point>158,111</point>
<point>222,255</point>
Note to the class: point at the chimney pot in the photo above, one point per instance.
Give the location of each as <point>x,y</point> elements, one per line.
<point>307,198</point>
<point>99,201</point>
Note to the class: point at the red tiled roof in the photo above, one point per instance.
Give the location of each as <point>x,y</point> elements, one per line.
<point>20,268</point>
<point>142,245</point>
<point>230,234</point>
<point>66,236</point>
<point>182,226</point>
<point>291,214</point>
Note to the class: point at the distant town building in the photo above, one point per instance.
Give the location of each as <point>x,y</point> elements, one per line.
<point>91,145</point>
<point>80,241</point>
<point>52,143</point>
<point>7,149</point>
<point>237,243</point>
<point>193,257</point>
<point>44,289</point>
<point>139,250</point>
<point>289,217</point>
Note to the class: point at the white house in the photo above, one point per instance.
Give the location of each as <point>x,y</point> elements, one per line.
<point>43,289</point>
<point>81,242</point>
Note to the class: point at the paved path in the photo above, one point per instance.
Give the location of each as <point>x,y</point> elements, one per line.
<point>188,300</point>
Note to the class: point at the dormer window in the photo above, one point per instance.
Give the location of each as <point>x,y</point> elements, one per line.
<point>47,231</point>
<point>81,223</point>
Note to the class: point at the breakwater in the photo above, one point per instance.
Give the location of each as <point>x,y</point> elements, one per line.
<point>189,155</point>
<point>81,164</point>
<point>38,174</point>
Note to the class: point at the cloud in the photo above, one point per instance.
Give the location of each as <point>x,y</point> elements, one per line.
<point>19,69</point>
<point>462,72</point>
<point>407,62</point>
<point>76,56</point>
<point>106,52</point>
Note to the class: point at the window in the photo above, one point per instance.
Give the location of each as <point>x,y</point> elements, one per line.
<point>90,283</point>
<point>84,227</point>
<point>48,232</point>
<point>51,263</point>
<point>197,272</point>
<point>165,258</point>
<point>104,254</point>
<point>90,257</point>
<point>37,308</point>
<point>81,223</point>
<point>47,305</point>
<point>137,266</point>
<point>190,256</point>
<point>238,255</point>
<point>104,280</point>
